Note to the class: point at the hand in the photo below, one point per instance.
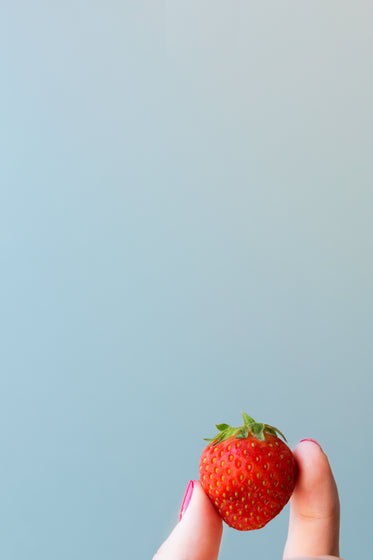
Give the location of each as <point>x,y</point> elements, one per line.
<point>314,516</point>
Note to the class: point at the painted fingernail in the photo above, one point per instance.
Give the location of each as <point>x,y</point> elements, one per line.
<point>186,499</point>
<point>313,441</point>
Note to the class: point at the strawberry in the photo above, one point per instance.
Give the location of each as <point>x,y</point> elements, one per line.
<point>248,473</point>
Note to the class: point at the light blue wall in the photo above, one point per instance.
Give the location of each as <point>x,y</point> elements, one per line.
<point>185,232</point>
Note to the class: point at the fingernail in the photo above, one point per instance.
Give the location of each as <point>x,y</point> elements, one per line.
<point>313,441</point>
<point>186,499</point>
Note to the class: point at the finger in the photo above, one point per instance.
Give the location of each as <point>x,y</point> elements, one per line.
<point>198,533</point>
<point>314,506</point>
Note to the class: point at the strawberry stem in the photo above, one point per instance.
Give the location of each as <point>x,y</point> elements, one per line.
<point>250,427</point>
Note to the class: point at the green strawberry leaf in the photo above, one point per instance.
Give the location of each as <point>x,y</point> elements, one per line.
<point>247,419</point>
<point>274,431</point>
<point>270,430</point>
<point>257,430</point>
<point>250,427</point>
<point>222,427</point>
<point>243,433</point>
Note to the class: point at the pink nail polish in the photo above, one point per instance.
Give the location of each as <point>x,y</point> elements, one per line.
<point>313,441</point>
<point>187,498</point>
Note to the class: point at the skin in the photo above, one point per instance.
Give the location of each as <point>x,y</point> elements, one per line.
<point>313,525</point>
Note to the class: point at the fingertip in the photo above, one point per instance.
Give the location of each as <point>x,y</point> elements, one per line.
<point>199,531</point>
<point>314,506</point>
<point>312,441</point>
<point>309,453</point>
<point>201,510</point>
<point>316,488</point>
<point>187,497</point>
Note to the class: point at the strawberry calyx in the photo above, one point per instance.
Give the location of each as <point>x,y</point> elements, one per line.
<point>249,428</point>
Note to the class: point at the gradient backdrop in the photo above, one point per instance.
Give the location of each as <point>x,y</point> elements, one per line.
<point>186,232</point>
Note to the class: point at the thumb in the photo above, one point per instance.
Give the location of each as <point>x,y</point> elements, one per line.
<point>198,533</point>
<point>314,506</point>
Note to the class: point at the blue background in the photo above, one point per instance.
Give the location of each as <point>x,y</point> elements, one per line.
<point>185,232</point>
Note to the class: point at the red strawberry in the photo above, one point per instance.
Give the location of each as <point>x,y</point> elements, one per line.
<point>249,473</point>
